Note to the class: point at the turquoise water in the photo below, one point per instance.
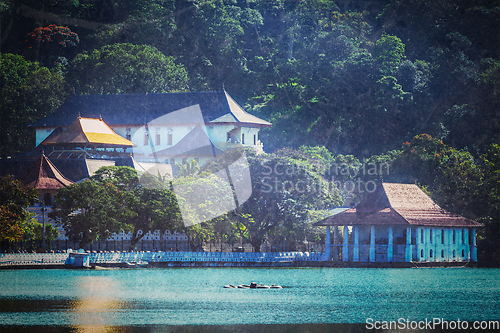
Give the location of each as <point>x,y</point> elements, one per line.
<point>195,296</point>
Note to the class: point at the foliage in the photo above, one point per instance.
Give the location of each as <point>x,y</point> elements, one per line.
<point>286,188</point>
<point>151,207</point>
<point>204,200</point>
<point>47,45</point>
<point>14,201</point>
<point>34,235</point>
<point>458,182</point>
<point>28,92</point>
<point>90,210</point>
<point>357,78</point>
<point>126,68</point>
<point>190,168</point>
<point>489,207</point>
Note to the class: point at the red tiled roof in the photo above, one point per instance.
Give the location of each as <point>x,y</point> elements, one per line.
<point>404,204</point>
<point>43,175</point>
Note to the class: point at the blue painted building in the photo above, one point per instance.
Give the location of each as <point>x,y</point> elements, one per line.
<point>399,223</point>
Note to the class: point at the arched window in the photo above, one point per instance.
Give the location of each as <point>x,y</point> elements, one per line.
<point>430,236</point>
<point>454,254</point>
<point>47,199</point>
<point>442,236</point>
<point>421,253</point>
<point>422,236</point>
<point>442,253</point>
<point>454,236</point>
<point>430,254</point>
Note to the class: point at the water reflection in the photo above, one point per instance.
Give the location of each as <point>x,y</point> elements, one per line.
<point>194,300</point>
<point>95,309</point>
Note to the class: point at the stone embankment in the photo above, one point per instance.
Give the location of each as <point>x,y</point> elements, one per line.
<point>83,259</point>
<point>156,259</point>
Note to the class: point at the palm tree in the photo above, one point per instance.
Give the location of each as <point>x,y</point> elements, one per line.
<point>190,168</point>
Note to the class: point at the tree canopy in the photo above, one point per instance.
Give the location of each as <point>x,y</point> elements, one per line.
<point>28,92</point>
<point>126,68</point>
<point>14,216</point>
<point>363,79</point>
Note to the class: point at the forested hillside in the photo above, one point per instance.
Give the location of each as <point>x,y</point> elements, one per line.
<point>363,79</point>
<point>359,77</point>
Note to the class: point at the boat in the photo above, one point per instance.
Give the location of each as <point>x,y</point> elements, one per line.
<point>244,286</point>
<point>262,286</point>
<point>139,264</point>
<point>253,285</point>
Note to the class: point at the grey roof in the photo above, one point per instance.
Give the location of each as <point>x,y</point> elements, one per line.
<point>138,109</point>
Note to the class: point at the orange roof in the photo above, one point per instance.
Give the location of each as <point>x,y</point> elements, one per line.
<point>88,132</point>
<point>43,175</point>
<point>404,204</point>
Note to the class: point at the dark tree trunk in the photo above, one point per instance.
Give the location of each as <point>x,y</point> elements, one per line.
<point>134,241</point>
<point>256,243</point>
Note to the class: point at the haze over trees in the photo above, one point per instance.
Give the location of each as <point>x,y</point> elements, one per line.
<point>352,82</point>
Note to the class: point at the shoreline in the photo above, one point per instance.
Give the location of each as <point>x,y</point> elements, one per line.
<point>294,264</point>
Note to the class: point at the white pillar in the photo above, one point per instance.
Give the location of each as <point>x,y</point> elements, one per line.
<point>408,244</point>
<point>474,248</point>
<point>390,245</point>
<point>372,243</point>
<point>328,246</point>
<point>355,254</point>
<point>345,247</point>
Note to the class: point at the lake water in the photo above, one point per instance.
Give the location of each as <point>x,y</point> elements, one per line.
<point>193,299</point>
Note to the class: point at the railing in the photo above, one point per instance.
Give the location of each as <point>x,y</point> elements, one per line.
<point>7,259</point>
<point>194,257</point>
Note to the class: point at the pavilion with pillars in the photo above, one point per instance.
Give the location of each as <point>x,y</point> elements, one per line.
<point>399,223</point>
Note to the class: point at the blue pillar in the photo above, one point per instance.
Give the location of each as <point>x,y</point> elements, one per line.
<point>389,245</point>
<point>372,243</point>
<point>467,247</point>
<point>327,256</point>
<point>408,245</point>
<point>473,246</point>
<point>335,250</point>
<point>355,254</point>
<point>345,247</point>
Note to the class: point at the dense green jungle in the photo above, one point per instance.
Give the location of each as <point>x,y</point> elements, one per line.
<point>412,83</point>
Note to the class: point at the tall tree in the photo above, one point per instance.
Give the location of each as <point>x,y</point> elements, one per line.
<point>28,92</point>
<point>151,204</point>
<point>14,201</point>
<point>126,68</point>
<point>286,187</point>
<point>88,211</point>
<point>51,45</point>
